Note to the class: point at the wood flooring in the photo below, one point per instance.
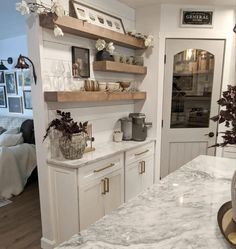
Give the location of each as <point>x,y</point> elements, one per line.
<point>20,221</point>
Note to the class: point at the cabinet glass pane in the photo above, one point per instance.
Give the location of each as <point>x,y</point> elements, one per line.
<point>191,89</point>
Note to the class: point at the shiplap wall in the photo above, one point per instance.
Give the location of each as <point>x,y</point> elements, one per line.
<point>57,58</point>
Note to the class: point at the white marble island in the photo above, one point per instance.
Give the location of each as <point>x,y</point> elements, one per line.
<point>180,212</point>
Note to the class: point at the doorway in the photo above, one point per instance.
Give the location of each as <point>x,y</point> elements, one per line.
<point>192,86</point>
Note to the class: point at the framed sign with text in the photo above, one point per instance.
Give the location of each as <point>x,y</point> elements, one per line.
<point>196,18</point>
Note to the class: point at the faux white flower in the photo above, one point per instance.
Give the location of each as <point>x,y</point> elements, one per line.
<point>110,48</point>
<point>100,44</point>
<point>23,7</point>
<point>58,9</point>
<point>40,11</point>
<point>149,41</point>
<point>58,31</point>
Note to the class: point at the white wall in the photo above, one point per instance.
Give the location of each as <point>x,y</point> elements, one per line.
<point>13,47</point>
<point>47,51</point>
<point>163,21</point>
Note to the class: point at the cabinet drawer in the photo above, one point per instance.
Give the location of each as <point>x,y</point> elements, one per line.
<point>101,168</point>
<point>139,153</point>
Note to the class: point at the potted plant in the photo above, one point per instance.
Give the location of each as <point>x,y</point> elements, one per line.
<point>72,136</point>
<point>105,50</point>
<point>227,116</point>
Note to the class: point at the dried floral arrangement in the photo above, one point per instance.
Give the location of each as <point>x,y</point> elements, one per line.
<point>148,39</point>
<point>56,10</point>
<point>66,125</point>
<point>227,116</point>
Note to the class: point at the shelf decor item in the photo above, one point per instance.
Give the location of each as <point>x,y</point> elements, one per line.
<point>105,50</point>
<point>148,39</point>
<point>73,136</point>
<point>98,17</point>
<point>56,10</point>
<point>80,62</point>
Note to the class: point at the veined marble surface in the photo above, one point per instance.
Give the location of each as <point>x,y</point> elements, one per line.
<point>102,151</point>
<point>180,212</point>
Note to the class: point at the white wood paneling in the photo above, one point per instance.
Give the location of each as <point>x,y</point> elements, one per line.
<point>181,153</point>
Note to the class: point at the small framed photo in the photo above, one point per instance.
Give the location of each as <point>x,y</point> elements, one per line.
<point>2,77</point>
<point>15,104</point>
<point>3,100</point>
<point>99,18</point>
<point>80,62</point>
<point>27,99</point>
<point>11,84</point>
<point>196,18</point>
<point>24,78</point>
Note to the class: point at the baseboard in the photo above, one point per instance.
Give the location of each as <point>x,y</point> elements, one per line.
<point>47,244</point>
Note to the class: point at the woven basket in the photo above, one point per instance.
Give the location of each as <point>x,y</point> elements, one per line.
<point>74,148</point>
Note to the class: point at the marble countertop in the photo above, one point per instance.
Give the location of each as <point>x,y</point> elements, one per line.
<point>102,151</point>
<point>180,212</point>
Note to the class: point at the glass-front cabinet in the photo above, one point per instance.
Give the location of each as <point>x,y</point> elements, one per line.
<point>192,88</point>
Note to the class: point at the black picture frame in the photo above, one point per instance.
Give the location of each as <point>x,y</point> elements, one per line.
<point>27,99</point>
<point>2,77</point>
<point>15,105</point>
<point>80,62</point>
<point>3,97</point>
<point>11,83</point>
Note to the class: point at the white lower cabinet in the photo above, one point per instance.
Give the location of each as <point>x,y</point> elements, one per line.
<point>101,189</point>
<point>140,173</point>
<point>81,196</point>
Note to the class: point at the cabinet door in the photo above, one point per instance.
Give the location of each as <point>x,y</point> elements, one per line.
<point>148,174</point>
<point>133,180</point>
<point>91,204</point>
<point>114,196</point>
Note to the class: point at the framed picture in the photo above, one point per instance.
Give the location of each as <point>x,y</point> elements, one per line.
<point>98,17</point>
<point>2,77</point>
<point>15,104</point>
<point>27,99</point>
<point>11,84</point>
<point>24,77</point>
<point>199,18</point>
<point>3,100</point>
<point>80,62</point>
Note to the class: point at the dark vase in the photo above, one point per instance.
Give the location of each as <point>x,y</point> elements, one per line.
<point>104,56</point>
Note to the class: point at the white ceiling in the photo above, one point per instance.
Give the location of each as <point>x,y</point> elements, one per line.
<point>140,3</point>
<point>12,23</point>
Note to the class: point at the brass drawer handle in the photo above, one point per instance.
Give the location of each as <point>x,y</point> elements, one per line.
<point>108,166</point>
<point>103,186</point>
<point>143,167</point>
<point>141,153</point>
<point>107,185</point>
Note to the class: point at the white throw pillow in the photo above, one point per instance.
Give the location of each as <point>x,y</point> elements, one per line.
<point>8,140</point>
<point>13,131</point>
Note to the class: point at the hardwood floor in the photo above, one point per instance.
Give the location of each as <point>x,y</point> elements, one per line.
<point>20,221</point>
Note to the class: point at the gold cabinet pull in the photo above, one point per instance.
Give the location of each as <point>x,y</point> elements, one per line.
<point>108,166</point>
<point>103,186</point>
<point>107,185</point>
<point>144,167</point>
<point>141,168</point>
<point>141,153</point>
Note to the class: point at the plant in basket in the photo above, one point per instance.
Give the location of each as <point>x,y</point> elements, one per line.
<point>73,136</point>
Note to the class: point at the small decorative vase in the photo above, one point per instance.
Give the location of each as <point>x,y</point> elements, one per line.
<point>73,148</point>
<point>103,55</point>
<point>233,196</point>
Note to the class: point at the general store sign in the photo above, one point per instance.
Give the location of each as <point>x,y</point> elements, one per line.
<point>197,18</point>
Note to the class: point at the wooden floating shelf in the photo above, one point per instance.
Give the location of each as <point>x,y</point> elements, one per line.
<point>111,66</point>
<point>78,27</point>
<point>78,96</point>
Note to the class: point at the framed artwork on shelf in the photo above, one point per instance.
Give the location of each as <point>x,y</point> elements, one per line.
<point>98,17</point>
<point>27,99</point>
<point>11,85</point>
<point>24,78</point>
<point>3,100</point>
<point>2,77</point>
<point>15,104</point>
<point>80,62</point>
<point>196,18</point>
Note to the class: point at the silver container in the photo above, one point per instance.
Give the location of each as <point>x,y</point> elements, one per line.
<point>126,128</point>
